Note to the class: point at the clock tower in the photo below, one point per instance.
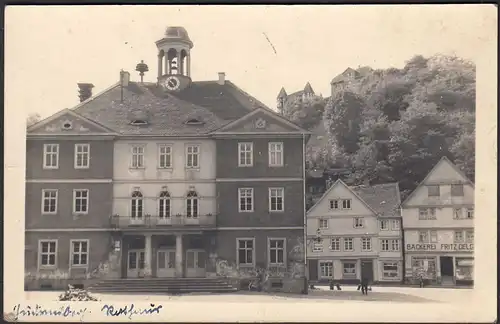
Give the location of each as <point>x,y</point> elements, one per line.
<point>174,59</point>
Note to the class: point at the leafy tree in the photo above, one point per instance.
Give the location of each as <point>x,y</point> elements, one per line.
<point>342,118</point>
<point>305,113</point>
<point>33,119</point>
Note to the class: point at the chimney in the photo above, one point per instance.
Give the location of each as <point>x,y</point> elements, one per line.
<point>85,91</point>
<point>222,78</point>
<point>124,78</point>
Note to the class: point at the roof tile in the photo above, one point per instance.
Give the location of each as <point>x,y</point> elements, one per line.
<point>385,198</point>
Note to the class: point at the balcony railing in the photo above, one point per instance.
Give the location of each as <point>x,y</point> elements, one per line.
<point>119,221</point>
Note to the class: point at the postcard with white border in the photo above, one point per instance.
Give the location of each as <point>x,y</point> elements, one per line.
<point>250,163</point>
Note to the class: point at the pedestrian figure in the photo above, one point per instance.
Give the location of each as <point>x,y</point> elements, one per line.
<point>364,286</point>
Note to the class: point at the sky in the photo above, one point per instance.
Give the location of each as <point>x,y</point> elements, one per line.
<point>49,49</point>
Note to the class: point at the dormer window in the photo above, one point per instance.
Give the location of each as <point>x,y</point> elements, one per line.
<point>194,121</point>
<point>138,122</point>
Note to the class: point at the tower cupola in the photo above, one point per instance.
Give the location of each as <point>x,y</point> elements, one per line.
<point>174,53</point>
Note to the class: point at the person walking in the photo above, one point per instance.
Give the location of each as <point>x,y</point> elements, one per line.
<point>364,285</point>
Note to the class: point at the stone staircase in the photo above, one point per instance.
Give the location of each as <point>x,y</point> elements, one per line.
<point>163,285</point>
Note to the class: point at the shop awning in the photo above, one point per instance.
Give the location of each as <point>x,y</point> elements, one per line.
<point>465,262</point>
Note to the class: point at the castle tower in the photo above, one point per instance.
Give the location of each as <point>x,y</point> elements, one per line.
<point>282,95</point>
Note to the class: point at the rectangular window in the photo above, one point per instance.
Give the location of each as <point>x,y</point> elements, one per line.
<point>49,201</point>
<point>276,199</point>
<point>348,244</point>
<point>276,154</point>
<point>335,244</point>
<point>326,269</point>
<point>433,236</point>
<point>457,190</point>
<point>384,224</point>
<point>245,154</point>
<point>433,191</point>
<point>469,236</point>
<point>193,156</point>
<point>470,213</point>
<point>245,251</point>
<point>358,222</point>
<point>346,203</point>
<point>349,269</point>
<point>82,156</point>
<point>245,199</point>
<point>389,245</point>
<point>423,237</point>
<point>276,251</point>
<point>323,223</point>
<point>366,244</point>
<point>427,213</point>
<point>390,270</point>
<point>457,213</point>
<point>458,237</point>
<point>395,224</point>
<point>334,204</point>
<point>47,253</point>
<point>384,245</point>
<point>137,156</point>
<point>50,156</point>
<point>395,245</point>
<point>80,201</point>
<point>164,156</point>
<point>79,252</point>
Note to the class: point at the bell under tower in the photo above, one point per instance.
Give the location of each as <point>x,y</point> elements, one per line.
<point>174,59</point>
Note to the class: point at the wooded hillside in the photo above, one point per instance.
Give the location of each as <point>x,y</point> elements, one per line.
<point>395,124</point>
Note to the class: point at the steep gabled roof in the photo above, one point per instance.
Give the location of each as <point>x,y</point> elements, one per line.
<point>342,183</point>
<point>342,76</point>
<point>385,199</point>
<point>49,119</point>
<point>444,159</point>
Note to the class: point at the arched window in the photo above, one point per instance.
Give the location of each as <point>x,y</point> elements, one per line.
<point>137,205</point>
<point>192,204</point>
<point>164,204</point>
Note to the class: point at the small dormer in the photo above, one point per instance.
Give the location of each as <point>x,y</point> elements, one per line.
<point>138,118</point>
<point>194,121</point>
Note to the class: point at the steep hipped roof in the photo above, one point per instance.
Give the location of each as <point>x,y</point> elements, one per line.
<point>385,198</point>
<point>166,115</point>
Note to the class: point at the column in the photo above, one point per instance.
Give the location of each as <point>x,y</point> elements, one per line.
<point>147,255</point>
<point>188,63</point>
<point>180,64</point>
<point>167,65</point>
<point>178,256</point>
<point>160,66</point>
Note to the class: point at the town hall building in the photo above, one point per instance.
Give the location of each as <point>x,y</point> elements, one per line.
<point>172,179</point>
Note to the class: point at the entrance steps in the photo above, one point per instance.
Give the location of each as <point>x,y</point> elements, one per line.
<point>163,285</point>
<point>447,281</point>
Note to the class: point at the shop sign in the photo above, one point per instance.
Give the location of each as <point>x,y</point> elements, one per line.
<point>469,247</point>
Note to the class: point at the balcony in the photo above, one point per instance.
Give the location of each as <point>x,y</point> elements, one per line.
<point>150,221</point>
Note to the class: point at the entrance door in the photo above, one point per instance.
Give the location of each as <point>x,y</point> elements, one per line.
<point>446,266</point>
<point>135,263</point>
<point>165,263</point>
<point>313,269</point>
<point>195,263</point>
<point>367,270</point>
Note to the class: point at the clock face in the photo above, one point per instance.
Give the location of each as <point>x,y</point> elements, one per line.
<point>172,83</point>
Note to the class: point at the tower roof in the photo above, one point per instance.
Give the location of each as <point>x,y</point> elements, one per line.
<point>308,88</point>
<point>282,93</point>
<point>176,34</point>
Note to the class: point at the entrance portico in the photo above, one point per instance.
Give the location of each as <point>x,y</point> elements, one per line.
<point>176,255</point>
